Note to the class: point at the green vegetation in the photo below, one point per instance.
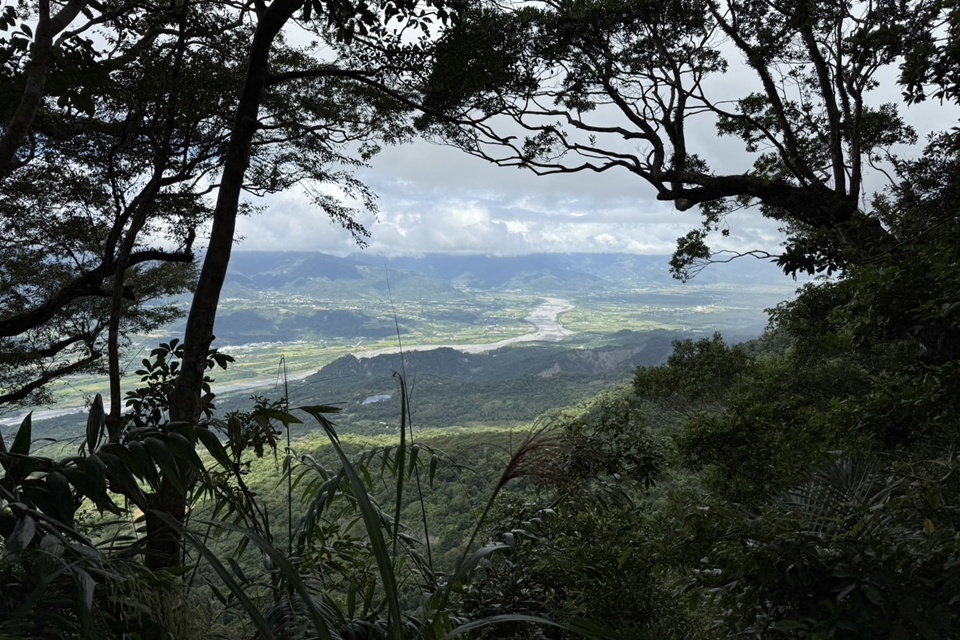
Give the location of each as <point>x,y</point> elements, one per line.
<point>801,485</point>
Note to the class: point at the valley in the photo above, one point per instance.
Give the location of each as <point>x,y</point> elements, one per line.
<point>588,319</point>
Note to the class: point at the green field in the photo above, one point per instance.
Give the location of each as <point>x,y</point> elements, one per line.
<point>308,322</point>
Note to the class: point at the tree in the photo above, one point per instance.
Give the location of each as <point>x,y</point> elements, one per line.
<point>382,42</point>
<point>102,199</point>
<point>175,106</point>
<point>566,86</point>
<point>931,47</point>
<point>133,140</point>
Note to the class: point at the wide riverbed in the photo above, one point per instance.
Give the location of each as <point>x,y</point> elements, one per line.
<point>545,319</point>
<point>546,328</point>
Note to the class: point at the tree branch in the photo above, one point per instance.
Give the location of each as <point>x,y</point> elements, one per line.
<point>41,61</point>
<point>24,391</point>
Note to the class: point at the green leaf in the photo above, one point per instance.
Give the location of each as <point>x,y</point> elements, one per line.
<point>372,521</point>
<point>96,471</point>
<point>140,462</point>
<point>279,416</point>
<point>95,424</point>
<point>19,539</point>
<point>61,497</point>
<point>321,409</point>
<point>471,561</point>
<point>164,458</point>
<point>318,413</point>
<point>90,482</point>
<point>85,586</point>
<point>873,594</point>
<point>237,570</point>
<point>122,481</point>
<point>789,625</point>
<point>183,449</point>
<point>228,580</point>
<point>287,571</point>
<point>414,453</point>
<point>21,442</point>
<point>352,599</point>
<point>212,443</point>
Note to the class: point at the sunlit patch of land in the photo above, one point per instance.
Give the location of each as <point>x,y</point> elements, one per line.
<point>420,318</point>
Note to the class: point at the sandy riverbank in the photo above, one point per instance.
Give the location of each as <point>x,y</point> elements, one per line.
<point>545,320</point>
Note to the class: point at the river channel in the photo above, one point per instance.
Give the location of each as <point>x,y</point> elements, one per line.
<point>545,319</point>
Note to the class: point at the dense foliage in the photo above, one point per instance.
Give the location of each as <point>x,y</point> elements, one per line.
<point>803,485</point>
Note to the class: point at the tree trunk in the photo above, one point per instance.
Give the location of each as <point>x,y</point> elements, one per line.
<point>41,61</point>
<point>163,541</point>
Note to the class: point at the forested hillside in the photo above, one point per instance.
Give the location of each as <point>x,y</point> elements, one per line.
<point>800,485</point>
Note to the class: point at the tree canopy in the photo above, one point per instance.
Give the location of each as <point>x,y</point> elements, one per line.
<point>119,119</point>
<point>606,85</point>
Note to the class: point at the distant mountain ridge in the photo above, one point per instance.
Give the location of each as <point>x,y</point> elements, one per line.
<point>546,271</point>
<point>277,296</point>
<point>628,351</point>
<point>511,384</point>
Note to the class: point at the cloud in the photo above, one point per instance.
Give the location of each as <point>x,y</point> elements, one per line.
<point>436,198</point>
<point>433,199</point>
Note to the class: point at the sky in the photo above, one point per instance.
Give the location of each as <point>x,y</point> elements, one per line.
<point>433,198</point>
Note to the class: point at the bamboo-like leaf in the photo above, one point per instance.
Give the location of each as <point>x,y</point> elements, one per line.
<point>51,545</point>
<point>164,458</point>
<point>141,463</point>
<point>470,563</point>
<point>279,416</point>
<point>122,481</point>
<point>414,454</point>
<point>212,443</point>
<point>401,460</point>
<point>320,408</point>
<point>28,605</point>
<point>21,442</point>
<point>237,570</point>
<point>217,593</point>
<point>61,498</point>
<point>235,589</point>
<point>181,447</point>
<point>84,480</point>
<point>352,599</point>
<point>20,537</point>
<point>85,586</point>
<point>95,424</point>
<point>289,573</point>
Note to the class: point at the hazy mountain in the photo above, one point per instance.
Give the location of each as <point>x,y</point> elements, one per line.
<point>538,273</point>
<point>288,296</point>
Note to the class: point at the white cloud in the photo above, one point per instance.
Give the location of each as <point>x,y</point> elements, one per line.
<point>442,207</point>
<point>435,198</point>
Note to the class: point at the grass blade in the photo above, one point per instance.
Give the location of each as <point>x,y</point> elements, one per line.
<point>289,573</point>
<point>372,521</point>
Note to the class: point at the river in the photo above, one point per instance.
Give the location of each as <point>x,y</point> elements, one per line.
<point>544,318</point>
